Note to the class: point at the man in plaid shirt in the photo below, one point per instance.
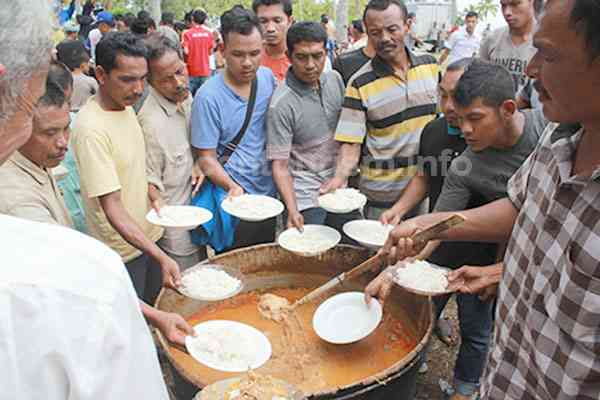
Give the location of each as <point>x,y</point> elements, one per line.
<point>547,336</point>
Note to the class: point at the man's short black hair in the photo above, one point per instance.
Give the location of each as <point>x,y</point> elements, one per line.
<point>187,18</point>
<point>381,5</point>
<point>128,19</point>
<point>179,26</point>
<point>239,20</point>
<point>144,14</point>
<point>585,19</point>
<point>72,53</point>
<point>140,26</point>
<point>118,43</point>
<point>167,18</point>
<point>305,32</point>
<point>491,83</point>
<point>286,4</point>
<point>158,45</point>
<point>358,25</point>
<point>199,16</point>
<point>324,19</point>
<point>58,82</point>
<point>472,14</point>
<point>411,15</point>
<point>459,65</point>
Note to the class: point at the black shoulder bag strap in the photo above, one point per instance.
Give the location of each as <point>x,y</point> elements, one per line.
<point>232,146</point>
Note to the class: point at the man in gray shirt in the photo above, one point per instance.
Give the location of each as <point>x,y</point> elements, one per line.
<point>499,137</point>
<point>512,46</point>
<point>301,122</point>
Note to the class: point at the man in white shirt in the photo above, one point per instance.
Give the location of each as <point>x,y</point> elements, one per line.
<point>464,43</point>
<point>64,334</point>
<point>105,22</point>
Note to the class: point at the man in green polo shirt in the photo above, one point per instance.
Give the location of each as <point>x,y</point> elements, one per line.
<point>388,102</point>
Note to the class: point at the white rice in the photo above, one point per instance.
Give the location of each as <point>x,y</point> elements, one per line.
<point>343,200</point>
<point>420,275</point>
<point>209,283</point>
<point>224,348</point>
<point>309,241</point>
<point>177,215</point>
<point>251,207</point>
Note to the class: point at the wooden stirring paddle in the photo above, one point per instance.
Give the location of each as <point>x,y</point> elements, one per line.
<point>376,260</point>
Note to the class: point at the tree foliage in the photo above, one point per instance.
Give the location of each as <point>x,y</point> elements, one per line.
<point>304,10</point>
<point>485,9</point>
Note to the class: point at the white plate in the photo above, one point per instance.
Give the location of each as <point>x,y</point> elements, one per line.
<point>369,233</point>
<point>408,286</point>
<point>218,390</point>
<point>346,318</point>
<point>342,201</point>
<point>320,239</point>
<point>252,207</point>
<point>183,289</point>
<point>181,217</point>
<point>225,335</point>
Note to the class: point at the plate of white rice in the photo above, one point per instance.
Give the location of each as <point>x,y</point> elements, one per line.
<point>181,217</point>
<point>342,201</point>
<point>368,233</point>
<point>252,207</point>
<point>228,346</point>
<point>210,282</point>
<point>312,241</point>
<point>422,277</point>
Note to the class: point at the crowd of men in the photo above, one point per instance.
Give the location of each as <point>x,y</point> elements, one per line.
<point>143,116</point>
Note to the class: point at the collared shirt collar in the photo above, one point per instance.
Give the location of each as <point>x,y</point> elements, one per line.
<point>564,131</point>
<point>383,69</point>
<point>168,106</point>
<point>571,133</point>
<point>41,175</point>
<point>300,87</point>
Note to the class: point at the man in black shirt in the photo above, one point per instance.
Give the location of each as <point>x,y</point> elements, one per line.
<point>441,141</point>
<point>348,63</point>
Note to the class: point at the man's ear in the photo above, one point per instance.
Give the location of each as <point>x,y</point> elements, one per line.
<point>101,75</point>
<point>2,70</point>
<point>508,108</point>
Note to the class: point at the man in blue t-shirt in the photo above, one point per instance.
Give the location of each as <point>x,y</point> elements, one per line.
<point>219,111</point>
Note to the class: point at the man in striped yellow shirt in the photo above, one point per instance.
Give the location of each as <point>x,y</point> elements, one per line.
<point>388,102</point>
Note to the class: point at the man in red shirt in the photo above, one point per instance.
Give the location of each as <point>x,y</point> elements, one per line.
<point>197,43</point>
<point>275,18</point>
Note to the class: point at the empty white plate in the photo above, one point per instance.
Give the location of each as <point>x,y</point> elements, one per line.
<point>342,201</point>
<point>369,233</point>
<point>346,318</point>
<point>181,217</point>
<point>312,241</point>
<point>228,346</point>
<point>252,207</point>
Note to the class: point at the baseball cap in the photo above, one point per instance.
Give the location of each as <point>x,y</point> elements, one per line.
<point>105,17</point>
<point>71,26</point>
